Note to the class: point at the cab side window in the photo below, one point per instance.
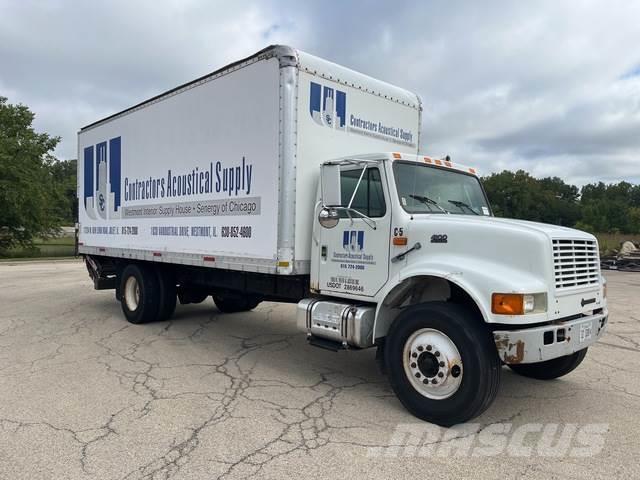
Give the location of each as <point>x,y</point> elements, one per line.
<point>369,198</point>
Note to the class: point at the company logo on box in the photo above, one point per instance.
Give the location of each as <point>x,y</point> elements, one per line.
<point>102,175</point>
<point>328,106</point>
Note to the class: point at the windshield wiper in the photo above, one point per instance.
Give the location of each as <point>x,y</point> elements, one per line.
<point>462,206</point>
<point>427,201</point>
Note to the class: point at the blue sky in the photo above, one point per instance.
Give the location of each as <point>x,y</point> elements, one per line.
<point>551,87</point>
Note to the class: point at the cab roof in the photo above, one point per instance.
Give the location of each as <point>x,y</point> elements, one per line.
<point>395,156</point>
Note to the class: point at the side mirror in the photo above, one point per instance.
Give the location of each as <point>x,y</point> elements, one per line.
<point>330,186</point>
<point>328,217</point>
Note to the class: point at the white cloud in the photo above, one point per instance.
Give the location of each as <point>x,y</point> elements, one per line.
<point>552,88</point>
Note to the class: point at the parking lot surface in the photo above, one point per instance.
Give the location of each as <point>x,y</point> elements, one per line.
<point>84,394</point>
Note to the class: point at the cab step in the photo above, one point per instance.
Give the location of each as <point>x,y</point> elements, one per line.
<point>326,344</point>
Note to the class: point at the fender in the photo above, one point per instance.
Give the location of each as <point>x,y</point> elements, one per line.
<point>479,278</point>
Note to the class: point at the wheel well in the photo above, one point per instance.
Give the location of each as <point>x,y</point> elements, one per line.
<point>421,289</point>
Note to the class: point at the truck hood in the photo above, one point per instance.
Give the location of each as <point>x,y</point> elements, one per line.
<point>506,225</point>
<point>553,231</point>
<point>485,255</point>
<point>522,247</point>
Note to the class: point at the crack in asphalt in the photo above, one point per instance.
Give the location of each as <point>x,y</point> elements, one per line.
<point>307,401</point>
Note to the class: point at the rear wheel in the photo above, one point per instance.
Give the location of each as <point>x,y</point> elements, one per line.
<point>168,294</point>
<point>442,363</point>
<point>551,368</point>
<point>139,293</point>
<point>234,304</point>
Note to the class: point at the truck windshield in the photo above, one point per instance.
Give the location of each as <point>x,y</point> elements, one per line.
<point>428,189</point>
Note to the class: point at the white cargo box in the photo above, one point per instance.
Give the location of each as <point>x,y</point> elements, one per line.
<point>222,171</point>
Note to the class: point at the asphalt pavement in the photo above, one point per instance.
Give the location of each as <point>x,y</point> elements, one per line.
<point>84,394</point>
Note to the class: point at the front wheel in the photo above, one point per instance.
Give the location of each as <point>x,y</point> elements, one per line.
<point>442,363</point>
<point>551,369</point>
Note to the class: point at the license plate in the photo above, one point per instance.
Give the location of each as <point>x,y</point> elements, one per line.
<point>586,331</point>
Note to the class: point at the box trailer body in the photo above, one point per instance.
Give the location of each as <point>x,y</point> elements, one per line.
<point>286,177</point>
<point>222,172</point>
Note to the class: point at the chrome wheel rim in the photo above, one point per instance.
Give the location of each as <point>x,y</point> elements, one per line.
<point>132,293</point>
<point>432,363</point>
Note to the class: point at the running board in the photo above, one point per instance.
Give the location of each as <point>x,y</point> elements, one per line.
<point>326,344</point>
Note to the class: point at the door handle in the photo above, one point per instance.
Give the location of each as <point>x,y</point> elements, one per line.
<point>323,252</point>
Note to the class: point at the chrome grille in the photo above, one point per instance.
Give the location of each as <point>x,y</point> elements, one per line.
<point>576,263</point>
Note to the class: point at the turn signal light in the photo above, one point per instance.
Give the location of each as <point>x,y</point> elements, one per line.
<point>507,303</point>
<point>399,241</point>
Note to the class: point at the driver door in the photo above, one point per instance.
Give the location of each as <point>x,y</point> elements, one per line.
<point>354,257</point>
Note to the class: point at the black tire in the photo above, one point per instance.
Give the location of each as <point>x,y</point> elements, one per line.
<point>168,294</point>
<point>236,304</point>
<point>481,365</point>
<point>381,363</point>
<point>551,369</point>
<point>147,306</point>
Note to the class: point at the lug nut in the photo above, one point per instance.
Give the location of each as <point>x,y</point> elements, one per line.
<point>440,374</point>
<point>425,381</point>
<point>434,381</point>
<point>441,364</point>
<point>414,354</point>
<point>437,354</point>
<point>417,374</point>
<point>429,347</point>
<point>413,365</point>
<point>420,348</point>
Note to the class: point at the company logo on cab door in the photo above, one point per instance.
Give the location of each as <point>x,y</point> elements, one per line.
<point>328,106</point>
<point>353,240</point>
<point>102,174</point>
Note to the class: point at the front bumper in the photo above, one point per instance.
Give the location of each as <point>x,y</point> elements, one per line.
<point>557,339</point>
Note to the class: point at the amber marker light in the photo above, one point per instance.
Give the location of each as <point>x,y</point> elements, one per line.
<point>507,303</point>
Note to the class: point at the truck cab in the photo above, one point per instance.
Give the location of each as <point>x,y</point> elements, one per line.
<point>407,256</point>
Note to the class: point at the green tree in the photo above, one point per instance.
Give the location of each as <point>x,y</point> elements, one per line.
<point>27,192</point>
<point>597,207</point>
<point>64,178</point>
<point>609,207</point>
<point>519,195</point>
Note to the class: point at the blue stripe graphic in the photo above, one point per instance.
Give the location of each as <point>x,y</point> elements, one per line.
<point>114,170</point>
<point>88,174</point>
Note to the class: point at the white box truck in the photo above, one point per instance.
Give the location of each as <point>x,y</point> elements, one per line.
<point>285,177</point>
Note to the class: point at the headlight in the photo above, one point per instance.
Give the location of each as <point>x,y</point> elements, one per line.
<point>529,303</point>
<point>518,303</point>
